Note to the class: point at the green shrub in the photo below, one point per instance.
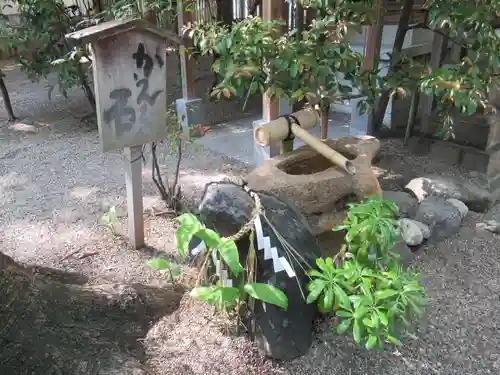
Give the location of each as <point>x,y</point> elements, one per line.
<point>370,293</point>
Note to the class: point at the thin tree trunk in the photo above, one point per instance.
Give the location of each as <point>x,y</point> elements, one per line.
<point>6,98</point>
<point>404,20</point>
<point>89,93</point>
<point>325,114</point>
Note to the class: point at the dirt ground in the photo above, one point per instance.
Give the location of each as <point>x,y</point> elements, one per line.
<point>54,186</point>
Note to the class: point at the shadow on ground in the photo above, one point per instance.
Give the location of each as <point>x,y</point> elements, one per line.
<point>52,324</point>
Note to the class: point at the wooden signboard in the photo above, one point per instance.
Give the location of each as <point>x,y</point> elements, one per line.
<point>129,67</point>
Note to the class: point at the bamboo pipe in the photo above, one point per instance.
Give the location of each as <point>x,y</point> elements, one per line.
<point>277,130</point>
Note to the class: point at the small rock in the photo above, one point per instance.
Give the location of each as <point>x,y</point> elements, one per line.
<point>426,231</point>
<point>411,232</point>
<point>442,217</point>
<point>492,226</point>
<point>460,205</point>
<point>476,197</point>
<point>406,203</point>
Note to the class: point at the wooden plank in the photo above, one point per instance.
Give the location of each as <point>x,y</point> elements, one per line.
<point>187,65</point>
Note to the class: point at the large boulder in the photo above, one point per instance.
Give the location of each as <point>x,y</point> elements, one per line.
<point>476,198</point>
<point>279,334</point>
<point>442,217</point>
<point>316,186</point>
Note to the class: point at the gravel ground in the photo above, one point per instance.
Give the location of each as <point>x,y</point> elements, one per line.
<point>55,185</point>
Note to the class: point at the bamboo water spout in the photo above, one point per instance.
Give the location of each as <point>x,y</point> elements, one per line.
<point>279,130</point>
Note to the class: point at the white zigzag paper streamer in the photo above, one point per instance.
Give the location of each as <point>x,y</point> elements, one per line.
<point>264,243</point>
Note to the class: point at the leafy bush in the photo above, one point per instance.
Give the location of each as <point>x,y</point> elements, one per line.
<point>42,47</point>
<point>218,292</point>
<point>371,294</point>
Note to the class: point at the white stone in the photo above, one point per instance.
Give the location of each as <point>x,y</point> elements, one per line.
<point>411,232</point>
<point>464,210</point>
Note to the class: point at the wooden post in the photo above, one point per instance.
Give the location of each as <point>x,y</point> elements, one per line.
<point>272,10</point>
<point>439,48</point>
<point>133,181</point>
<point>373,42</point>
<point>187,68</point>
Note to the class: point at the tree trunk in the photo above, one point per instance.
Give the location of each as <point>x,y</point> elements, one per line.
<point>6,98</point>
<point>325,114</point>
<point>88,93</point>
<point>403,23</point>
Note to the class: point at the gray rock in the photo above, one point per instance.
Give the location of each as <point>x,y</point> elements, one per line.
<point>464,210</point>
<point>475,197</point>
<point>405,253</point>
<point>426,232</point>
<point>411,232</point>
<point>442,217</point>
<point>279,334</point>
<point>406,203</point>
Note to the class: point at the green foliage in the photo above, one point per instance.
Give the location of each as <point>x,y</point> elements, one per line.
<point>373,297</point>
<point>218,294</point>
<point>255,56</point>
<point>125,9</point>
<point>371,229</point>
<point>42,47</point>
<point>163,264</point>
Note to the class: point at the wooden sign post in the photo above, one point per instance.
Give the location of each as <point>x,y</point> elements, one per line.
<point>128,61</point>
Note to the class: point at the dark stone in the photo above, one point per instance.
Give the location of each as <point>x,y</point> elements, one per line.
<point>406,203</point>
<point>279,334</point>
<point>406,255</point>
<point>476,197</point>
<point>442,217</point>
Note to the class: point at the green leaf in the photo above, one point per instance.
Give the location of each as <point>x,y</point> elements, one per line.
<point>229,252</point>
<point>368,322</point>
<point>211,238</point>
<point>343,313</point>
<point>315,288</point>
<point>372,342</point>
<point>189,226</point>
<point>220,297</point>
<point>356,331</point>
<point>267,293</point>
<point>383,318</point>
<point>328,299</point>
<point>341,298</point>
<point>383,294</point>
<point>190,221</point>
<point>344,326</point>
<point>159,264</point>
<point>183,236</point>
<point>202,293</point>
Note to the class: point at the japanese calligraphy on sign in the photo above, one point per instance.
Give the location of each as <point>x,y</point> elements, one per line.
<point>130,75</point>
